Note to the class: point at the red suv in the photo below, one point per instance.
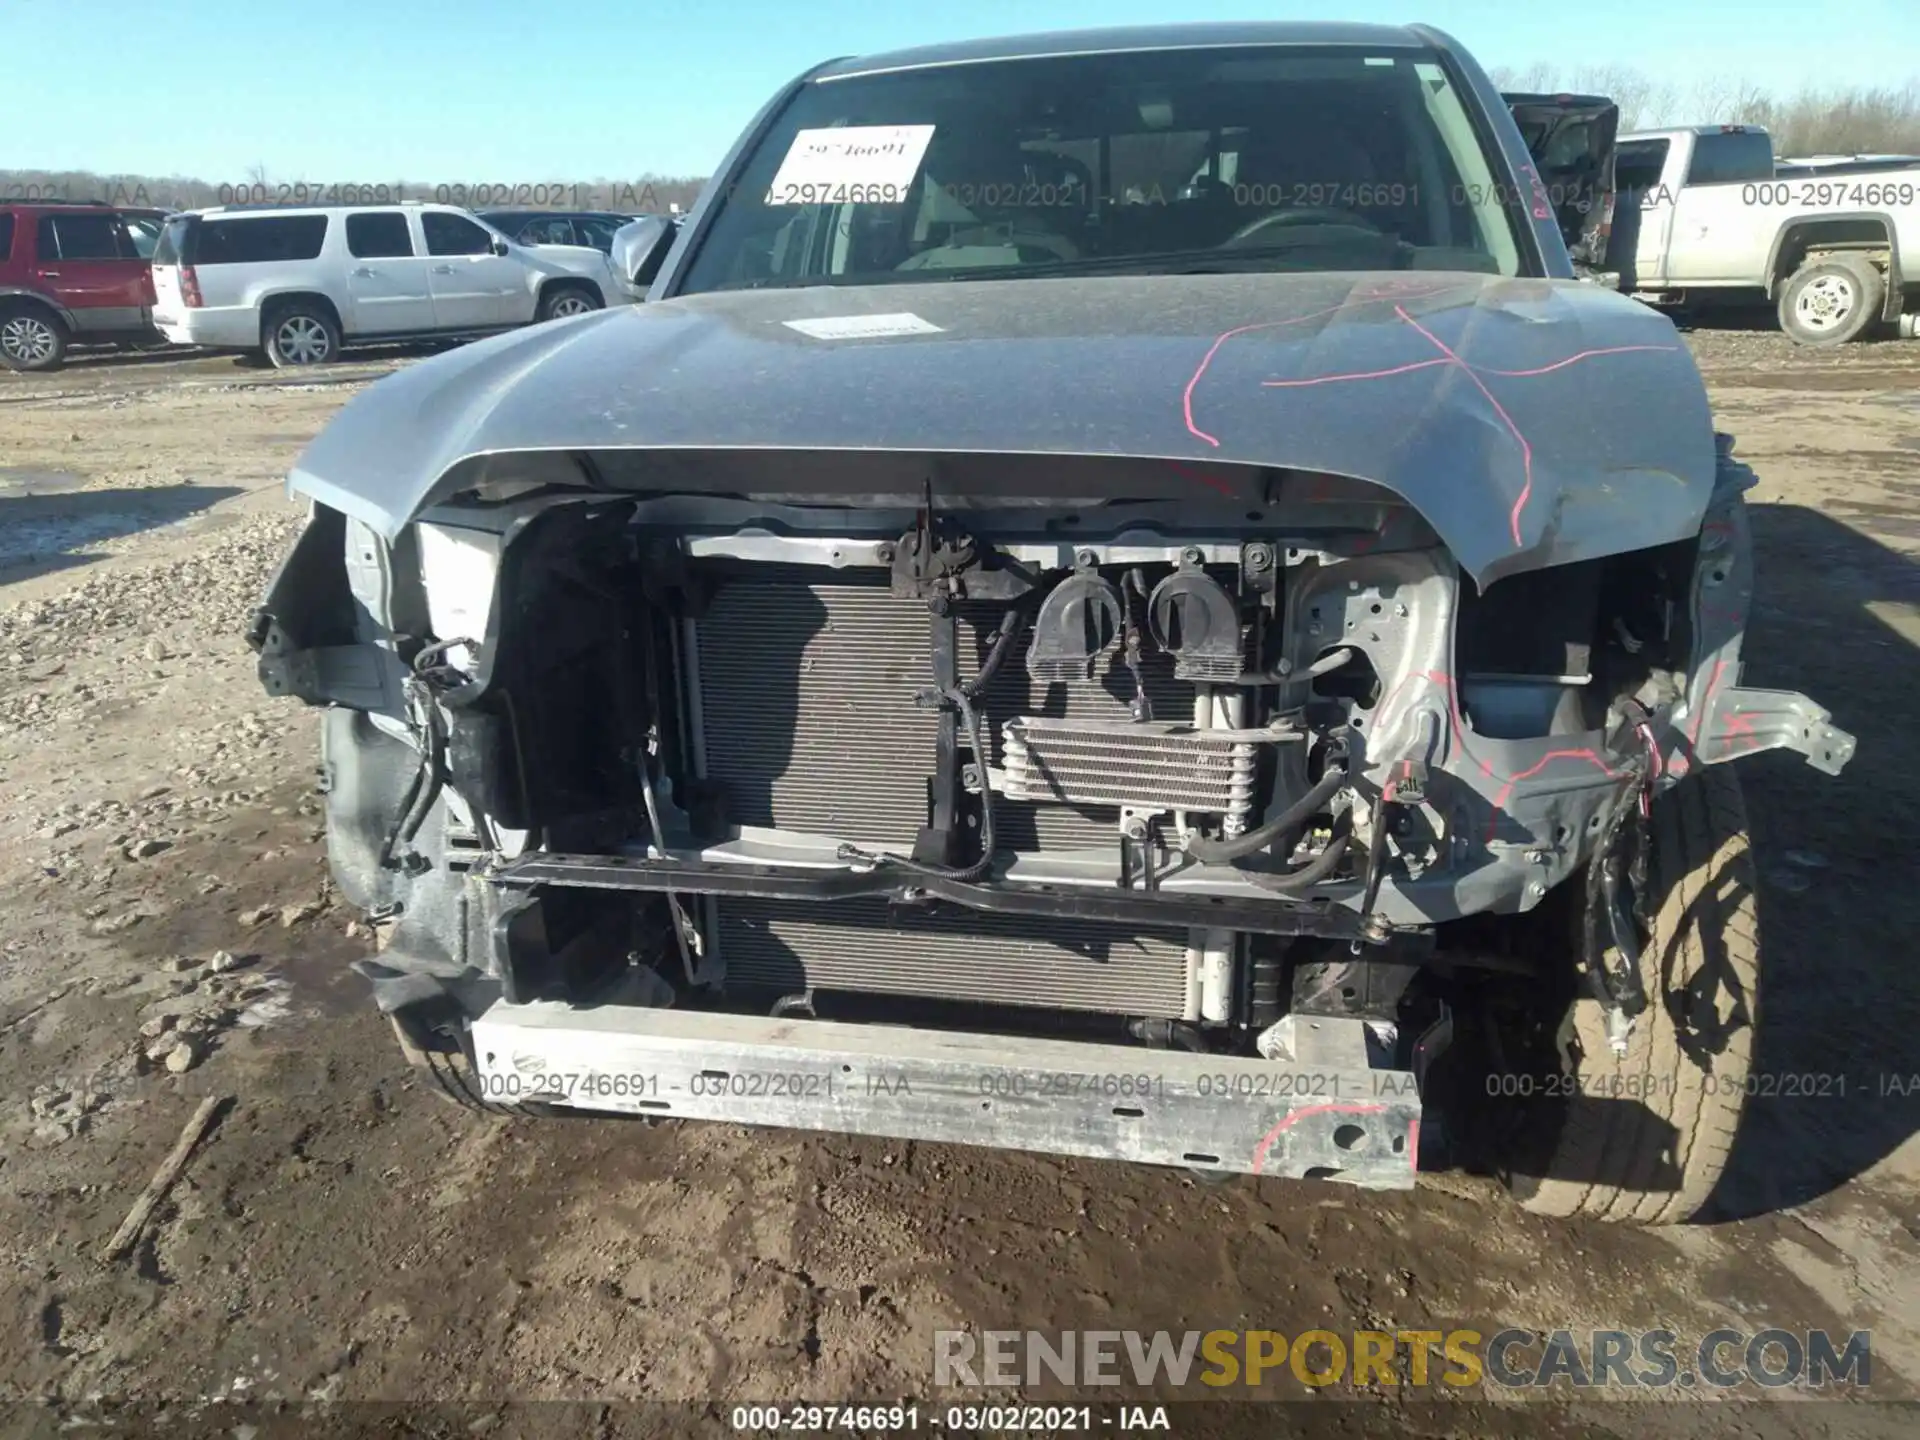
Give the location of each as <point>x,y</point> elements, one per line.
<point>72,274</point>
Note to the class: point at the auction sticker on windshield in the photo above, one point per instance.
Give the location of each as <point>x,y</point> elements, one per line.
<point>850,165</point>
<point>862,327</point>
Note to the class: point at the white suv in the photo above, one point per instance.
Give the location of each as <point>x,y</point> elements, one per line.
<point>299,283</point>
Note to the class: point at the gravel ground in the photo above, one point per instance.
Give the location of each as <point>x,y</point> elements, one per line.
<point>343,1238</point>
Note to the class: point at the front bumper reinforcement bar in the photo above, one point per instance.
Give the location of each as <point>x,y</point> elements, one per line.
<point>1265,916</point>
<point>1320,1111</point>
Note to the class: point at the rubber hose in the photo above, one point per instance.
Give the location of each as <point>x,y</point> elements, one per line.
<point>996,654</point>
<point>1223,852</point>
<point>1316,870</point>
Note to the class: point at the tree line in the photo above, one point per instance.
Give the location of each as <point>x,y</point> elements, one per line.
<point>647,193</point>
<point>1811,121</point>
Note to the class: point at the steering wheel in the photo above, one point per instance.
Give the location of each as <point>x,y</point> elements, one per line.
<point>1305,215</point>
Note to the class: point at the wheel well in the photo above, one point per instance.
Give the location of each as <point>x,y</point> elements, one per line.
<point>274,304</point>
<point>570,282</point>
<point>14,304</point>
<point>1868,235</point>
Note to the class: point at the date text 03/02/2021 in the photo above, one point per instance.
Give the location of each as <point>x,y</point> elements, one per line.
<point>964,1419</point>
<point>513,1086</point>
<point>617,196</point>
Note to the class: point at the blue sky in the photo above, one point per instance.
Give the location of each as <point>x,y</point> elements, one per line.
<point>518,91</point>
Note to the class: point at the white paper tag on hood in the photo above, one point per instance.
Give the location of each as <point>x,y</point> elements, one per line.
<point>863,327</point>
<point>851,164</point>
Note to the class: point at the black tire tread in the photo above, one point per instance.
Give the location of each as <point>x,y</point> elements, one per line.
<point>565,287</point>
<point>1873,294</point>
<point>63,338</point>
<point>275,313</point>
<point>1706,924</point>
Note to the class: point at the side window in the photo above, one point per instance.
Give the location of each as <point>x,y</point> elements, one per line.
<point>81,237</point>
<point>1637,167</point>
<point>6,234</point>
<point>379,235</point>
<point>262,239</point>
<point>143,234</point>
<point>1727,156</point>
<point>555,230</point>
<point>596,232</point>
<point>451,235</point>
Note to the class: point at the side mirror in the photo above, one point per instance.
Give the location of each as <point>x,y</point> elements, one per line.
<point>639,247</point>
<point>500,247</point>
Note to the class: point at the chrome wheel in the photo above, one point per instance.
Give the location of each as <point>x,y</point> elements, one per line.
<point>302,340</point>
<point>1825,302</point>
<point>28,340</point>
<point>571,303</point>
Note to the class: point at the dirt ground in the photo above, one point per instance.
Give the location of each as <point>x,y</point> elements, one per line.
<point>344,1237</point>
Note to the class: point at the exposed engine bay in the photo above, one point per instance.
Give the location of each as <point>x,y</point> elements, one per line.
<point>1142,769</point>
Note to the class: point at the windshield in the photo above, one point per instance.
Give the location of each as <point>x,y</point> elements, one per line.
<point>1172,161</point>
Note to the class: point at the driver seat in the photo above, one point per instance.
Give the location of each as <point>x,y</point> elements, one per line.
<point>976,182</point>
<point>1304,167</point>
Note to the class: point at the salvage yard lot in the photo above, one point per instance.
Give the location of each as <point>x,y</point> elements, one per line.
<point>346,1236</point>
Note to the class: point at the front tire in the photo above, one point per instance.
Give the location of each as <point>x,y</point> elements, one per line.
<point>561,302</point>
<point>32,338</point>
<point>300,334</point>
<point>1832,300</point>
<point>1644,1139</point>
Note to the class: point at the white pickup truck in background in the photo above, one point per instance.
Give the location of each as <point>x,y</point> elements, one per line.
<point>1706,213</point>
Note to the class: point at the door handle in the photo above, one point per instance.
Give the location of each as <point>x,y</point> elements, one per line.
<point>51,274</point>
<point>365,272</point>
<point>443,269</point>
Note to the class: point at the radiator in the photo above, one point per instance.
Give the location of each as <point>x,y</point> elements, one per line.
<point>809,723</point>
<point>806,693</point>
<point>953,954</point>
<point>809,720</point>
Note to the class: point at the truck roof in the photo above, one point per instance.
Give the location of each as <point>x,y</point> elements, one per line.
<point>1669,131</point>
<point>1119,39</point>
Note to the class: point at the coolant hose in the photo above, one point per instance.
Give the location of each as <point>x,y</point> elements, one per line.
<point>1316,870</point>
<point>1238,847</point>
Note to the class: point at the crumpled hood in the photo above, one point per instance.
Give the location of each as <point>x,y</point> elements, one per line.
<point>1532,422</point>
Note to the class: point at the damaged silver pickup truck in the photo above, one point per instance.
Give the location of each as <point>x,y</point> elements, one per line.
<point>1116,600</point>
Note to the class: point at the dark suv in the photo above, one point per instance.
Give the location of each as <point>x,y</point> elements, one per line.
<point>592,228</point>
<point>72,273</point>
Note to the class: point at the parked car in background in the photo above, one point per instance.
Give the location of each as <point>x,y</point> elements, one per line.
<point>591,228</point>
<point>301,284</point>
<point>1572,139</point>
<point>143,228</point>
<point>1714,216</point>
<point>71,274</point>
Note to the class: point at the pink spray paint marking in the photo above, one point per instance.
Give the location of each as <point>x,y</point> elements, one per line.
<point>1447,356</point>
<point>1286,1122</point>
<point>1368,297</point>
